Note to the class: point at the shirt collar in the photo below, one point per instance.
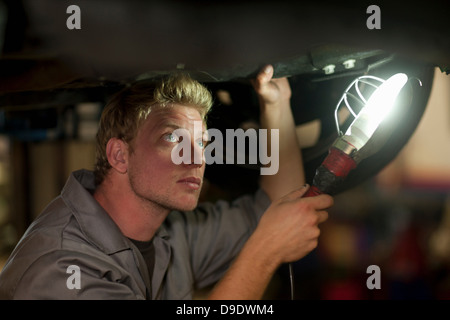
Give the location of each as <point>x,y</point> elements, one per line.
<point>94,221</point>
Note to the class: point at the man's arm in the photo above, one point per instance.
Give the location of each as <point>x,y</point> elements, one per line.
<point>288,230</point>
<point>275,114</point>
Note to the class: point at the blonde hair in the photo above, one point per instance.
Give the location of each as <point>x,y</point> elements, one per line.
<point>126,111</point>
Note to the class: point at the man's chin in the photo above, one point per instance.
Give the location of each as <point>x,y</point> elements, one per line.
<point>185,205</point>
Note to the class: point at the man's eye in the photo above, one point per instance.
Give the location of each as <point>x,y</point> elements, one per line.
<point>201,143</point>
<point>171,137</point>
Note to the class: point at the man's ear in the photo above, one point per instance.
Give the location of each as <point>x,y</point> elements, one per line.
<point>117,153</point>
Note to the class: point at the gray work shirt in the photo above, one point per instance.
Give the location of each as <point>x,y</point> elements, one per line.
<point>74,250</point>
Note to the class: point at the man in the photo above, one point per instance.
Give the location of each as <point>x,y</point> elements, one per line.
<point>136,231</point>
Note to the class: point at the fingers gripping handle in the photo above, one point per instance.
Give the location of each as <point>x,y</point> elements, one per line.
<point>312,192</point>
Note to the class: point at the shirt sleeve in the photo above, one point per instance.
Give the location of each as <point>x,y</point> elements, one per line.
<point>217,232</point>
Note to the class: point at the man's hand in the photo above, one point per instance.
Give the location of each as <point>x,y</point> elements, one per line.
<point>288,231</point>
<point>276,114</point>
<point>271,92</point>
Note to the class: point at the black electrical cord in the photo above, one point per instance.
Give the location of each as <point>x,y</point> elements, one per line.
<point>291,279</point>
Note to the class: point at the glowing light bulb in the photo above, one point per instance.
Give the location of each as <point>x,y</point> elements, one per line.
<point>376,110</point>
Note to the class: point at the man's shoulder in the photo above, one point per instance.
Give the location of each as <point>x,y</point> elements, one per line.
<point>46,275</point>
<point>50,246</point>
<point>43,237</point>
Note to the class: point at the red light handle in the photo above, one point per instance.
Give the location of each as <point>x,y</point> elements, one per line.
<point>339,163</point>
<point>333,169</point>
<point>312,192</point>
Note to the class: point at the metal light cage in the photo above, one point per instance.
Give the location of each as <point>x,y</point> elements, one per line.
<point>359,91</point>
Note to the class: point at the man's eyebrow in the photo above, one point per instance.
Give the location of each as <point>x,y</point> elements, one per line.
<point>171,125</point>
<point>165,125</point>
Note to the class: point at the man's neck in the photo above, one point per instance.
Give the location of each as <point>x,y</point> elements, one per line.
<point>137,218</point>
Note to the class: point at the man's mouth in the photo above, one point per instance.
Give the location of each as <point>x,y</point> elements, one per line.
<point>193,183</point>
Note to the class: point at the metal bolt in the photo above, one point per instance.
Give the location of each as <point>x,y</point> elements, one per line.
<point>329,69</point>
<point>349,64</point>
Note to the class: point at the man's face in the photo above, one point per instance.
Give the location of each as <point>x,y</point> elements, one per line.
<point>153,175</point>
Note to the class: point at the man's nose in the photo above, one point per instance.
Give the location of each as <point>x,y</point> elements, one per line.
<point>197,154</point>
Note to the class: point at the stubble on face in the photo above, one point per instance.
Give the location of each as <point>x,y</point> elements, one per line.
<point>154,179</point>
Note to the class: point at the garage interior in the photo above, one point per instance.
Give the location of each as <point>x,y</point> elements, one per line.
<point>394,211</point>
